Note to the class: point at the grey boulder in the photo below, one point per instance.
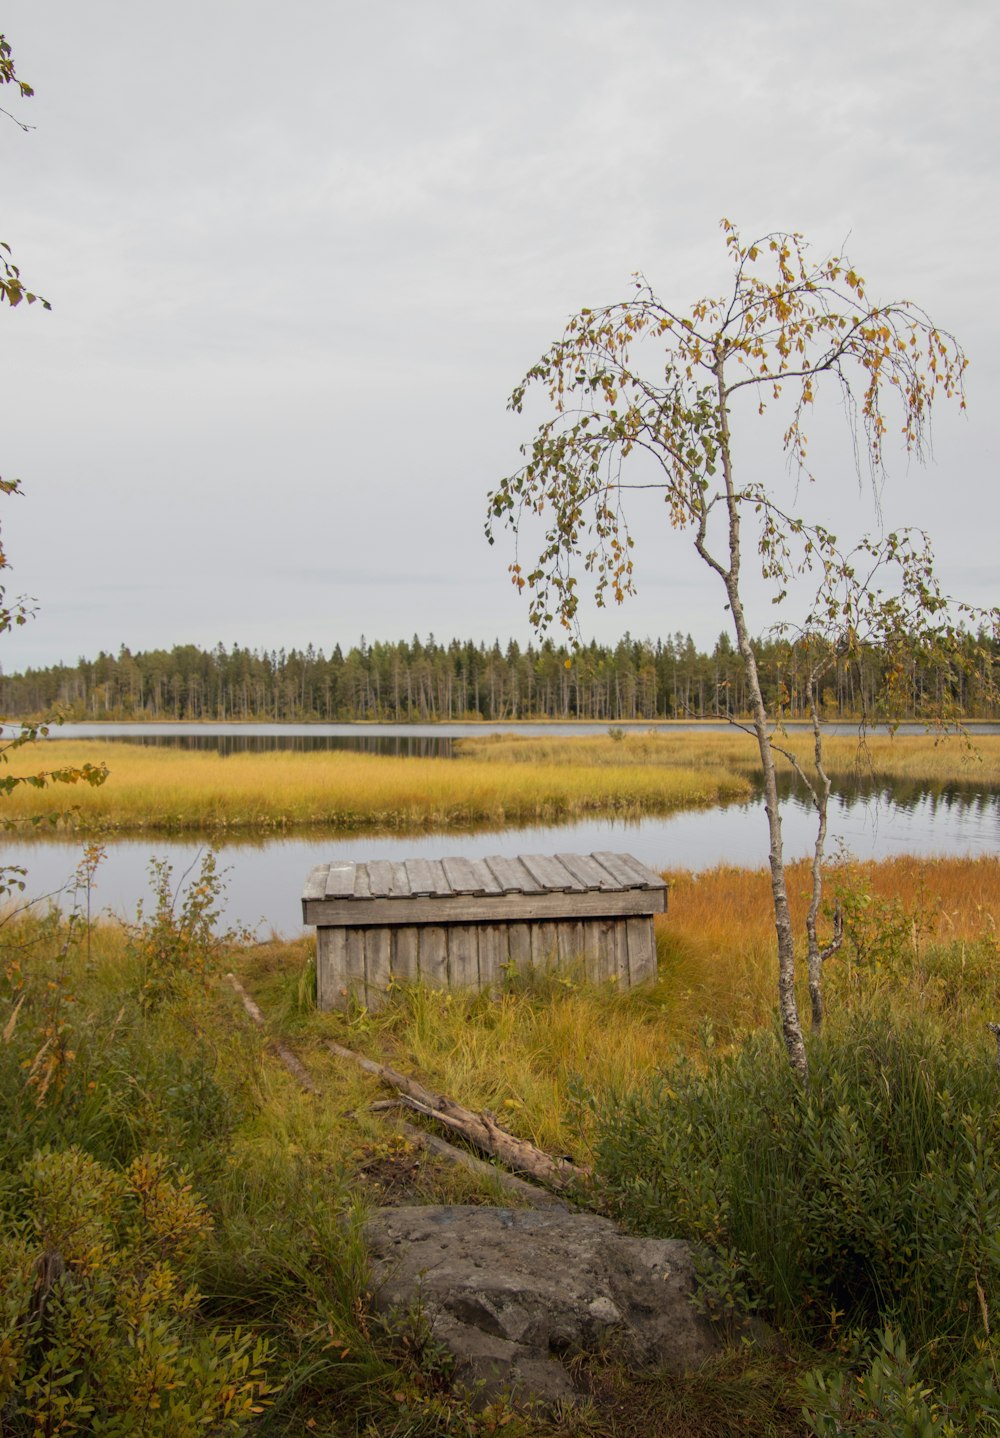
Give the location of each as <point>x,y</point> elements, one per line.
<point>513,1294</point>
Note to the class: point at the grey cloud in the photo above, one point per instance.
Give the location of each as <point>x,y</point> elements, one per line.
<point>291,298</point>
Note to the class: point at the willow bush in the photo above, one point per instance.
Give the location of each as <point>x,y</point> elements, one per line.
<point>869,1196</point>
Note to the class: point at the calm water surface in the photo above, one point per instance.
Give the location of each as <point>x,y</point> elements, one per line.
<point>266,877</point>
<point>408,740</point>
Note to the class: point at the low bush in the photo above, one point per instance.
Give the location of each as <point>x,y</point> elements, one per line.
<point>99,1329</point>
<point>180,1242</point>
<point>871,1196</point>
<point>888,1399</point>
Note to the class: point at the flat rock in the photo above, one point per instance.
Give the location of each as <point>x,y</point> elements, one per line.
<point>514,1293</point>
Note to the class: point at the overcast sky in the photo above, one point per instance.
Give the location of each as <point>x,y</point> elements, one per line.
<point>299,255</point>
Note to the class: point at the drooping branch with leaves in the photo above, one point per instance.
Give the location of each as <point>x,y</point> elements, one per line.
<point>15,612</point>
<point>644,397</point>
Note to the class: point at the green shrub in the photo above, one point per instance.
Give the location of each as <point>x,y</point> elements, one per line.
<point>99,1319</point>
<point>177,946</point>
<point>82,1061</point>
<point>887,1399</point>
<point>869,1196</point>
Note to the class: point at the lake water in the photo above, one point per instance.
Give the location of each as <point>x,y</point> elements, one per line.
<point>408,740</point>
<point>266,876</point>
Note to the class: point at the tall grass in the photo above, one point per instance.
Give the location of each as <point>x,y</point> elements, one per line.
<point>921,932</point>
<point>498,780</point>
<point>273,1179</point>
<point>170,789</point>
<point>519,1053</point>
<point>928,758</point>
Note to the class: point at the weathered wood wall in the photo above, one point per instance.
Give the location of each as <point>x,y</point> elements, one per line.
<point>365,962</point>
<point>457,923</point>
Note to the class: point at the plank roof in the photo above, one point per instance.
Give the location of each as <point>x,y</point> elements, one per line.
<point>394,890</point>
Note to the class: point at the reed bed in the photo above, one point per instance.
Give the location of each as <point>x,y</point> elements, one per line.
<point>172,789</point>
<point>930,758</point>
<point>909,920</point>
<point>500,779</point>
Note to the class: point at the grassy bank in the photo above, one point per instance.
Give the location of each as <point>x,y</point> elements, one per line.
<point>118,1044</point>
<point>920,934</point>
<point>498,780</point>
<point>173,789</point>
<point>918,757</point>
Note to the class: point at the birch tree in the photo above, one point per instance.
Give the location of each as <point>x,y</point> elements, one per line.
<point>644,396</point>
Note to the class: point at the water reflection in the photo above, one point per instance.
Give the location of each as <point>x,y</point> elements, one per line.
<point>406,746</point>
<point>906,794</point>
<point>405,740</point>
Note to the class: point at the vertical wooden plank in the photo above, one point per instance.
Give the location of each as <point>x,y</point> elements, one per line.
<point>433,956</point>
<point>549,874</point>
<point>405,950</point>
<point>400,886</point>
<point>569,947</point>
<point>626,876</point>
<point>588,872</point>
<point>518,953</point>
<point>486,881</point>
<point>380,877</point>
<point>604,958</point>
<point>316,883</point>
<point>511,876</point>
<point>641,950</point>
<point>643,877</point>
<point>440,887</point>
<point>617,953</point>
<point>378,970</point>
<point>594,946</point>
<point>544,946</point>
<point>419,878</point>
<point>340,880</point>
<point>354,968</point>
<point>490,957</point>
<point>467,877</point>
<point>331,968</point>
<point>463,956</point>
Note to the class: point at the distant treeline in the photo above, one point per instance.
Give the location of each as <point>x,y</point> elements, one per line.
<point>426,680</point>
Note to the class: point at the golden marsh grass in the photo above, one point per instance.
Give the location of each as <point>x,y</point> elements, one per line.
<point>500,779</point>
<point>175,789</point>
<point>921,757</point>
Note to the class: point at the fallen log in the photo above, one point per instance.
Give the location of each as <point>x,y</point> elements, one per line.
<point>481,1130</point>
<point>429,1142</point>
<point>534,1196</point>
<point>292,1062</point>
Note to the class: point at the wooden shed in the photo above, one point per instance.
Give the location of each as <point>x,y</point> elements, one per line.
<point>455,923</point>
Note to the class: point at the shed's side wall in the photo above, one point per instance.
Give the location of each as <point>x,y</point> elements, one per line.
<point>364,962</point>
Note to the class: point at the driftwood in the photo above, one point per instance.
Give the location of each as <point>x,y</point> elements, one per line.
<point>479,1129</point>
<point>292,1063</point>
<point>534,1196</point>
